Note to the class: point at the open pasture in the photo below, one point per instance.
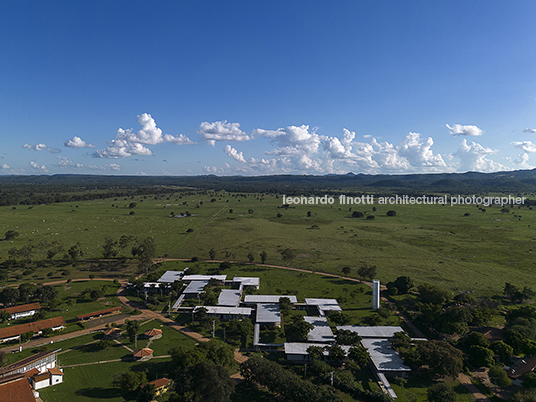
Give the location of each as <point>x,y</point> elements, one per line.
<point>458,247</point>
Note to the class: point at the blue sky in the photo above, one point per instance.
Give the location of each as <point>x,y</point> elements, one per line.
<point>267,87</point>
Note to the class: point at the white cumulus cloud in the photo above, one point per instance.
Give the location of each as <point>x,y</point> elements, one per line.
<point>65,163</point>
<point>221,131</point>
<point>42,147</point>
<point>127,142</point>
<point>523,158</point>
<point>473,157</point>
<point>36,166</point>
<point>459,129</point>
<point>530,130</point>
<point>526,146</point>
<point>233,153</point>
<point>77,142</point>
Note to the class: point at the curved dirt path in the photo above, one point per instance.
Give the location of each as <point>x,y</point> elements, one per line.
<point>477,394</point>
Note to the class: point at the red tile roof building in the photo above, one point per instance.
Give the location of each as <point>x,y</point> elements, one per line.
<point>14,331</point>
<point>98,314</point>
<point>22,310</point>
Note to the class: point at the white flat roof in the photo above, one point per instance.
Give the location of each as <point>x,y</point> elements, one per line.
<point>195,287</point>
<point>268,298</point>
<point>245,311</point>
<point>229,297</point>
<point>300,348</point>
<point>324,304</point>
<point>247,281</point>
<point>383,355</point>
<point>321,331</point>
<point>268,312</point>
<point>171,276</point>
<point>207,278</point>
<point>372,332</point>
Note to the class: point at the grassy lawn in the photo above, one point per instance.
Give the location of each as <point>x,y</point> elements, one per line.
<point>431,243</point>
<point>95,382</point>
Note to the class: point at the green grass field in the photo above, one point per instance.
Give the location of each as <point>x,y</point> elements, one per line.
<point>431,243</point>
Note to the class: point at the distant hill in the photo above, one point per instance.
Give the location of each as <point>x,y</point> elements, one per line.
<point>520,181</point>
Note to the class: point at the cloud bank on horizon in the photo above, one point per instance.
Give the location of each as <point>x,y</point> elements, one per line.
<point>298,150</point>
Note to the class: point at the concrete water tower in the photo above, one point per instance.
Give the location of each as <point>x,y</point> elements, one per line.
<point>375,294</point>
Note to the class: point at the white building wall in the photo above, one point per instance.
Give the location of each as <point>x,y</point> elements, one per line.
<point>42,384</point>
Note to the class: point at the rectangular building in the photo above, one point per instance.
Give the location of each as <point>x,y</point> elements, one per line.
<point>268,314</point>
<point>21,311</point>
<point>321,332</point>
<point>253,299</point>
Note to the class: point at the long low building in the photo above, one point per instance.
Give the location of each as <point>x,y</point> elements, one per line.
<point>324,305</point>
<point>384,357</point>
<point>41,361</point>
<point>321,332</point>
<point>268,314</point>
<point>190,278</point>
<point>171,276</point>
<point>21,311</point>
<point>229,297</point>
<point>226,313</point>
<point>194,288</point>
<point>97,314</point>
<point>297,351</point>
<point>372,332</point>
<point>15,331</point>
<point>254,299</point>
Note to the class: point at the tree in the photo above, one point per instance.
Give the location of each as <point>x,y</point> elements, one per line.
<point>264,257</point>
<point>441,392</point>
<point>530,380</point>
<point>131,380</point>
<point>401,340</point>
<point>404,284</point>
<point>146,393</point>
<point>285,306</point>
<point>503,350</point>
<point>499,377</point>
<point>346,270</point>
<point>10,235</point>
<point>27,291</point>
<point>224,265</point>
<point>74,253</point>
<point>391,213</point>
<point>146,253</point>
<point>474,339</point>
<point>54,249</point>
<point>335,353</point>
<point>509,290</point>
<point>251,257</point>
<point>315,352</point>
<point>441,357</point>
<point>5,316</point>
<point>287,256</point>
<point>108,248</point>
<point>433,294</point>
<point>133,327</point>
<point>204,382</point>
<point>9,296</point>
<point>480,356</point>
<point>297,330</point>
<point>357,214</point>
<point>359,354</point>
<point>367,272</point>
<point>212,253</point>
